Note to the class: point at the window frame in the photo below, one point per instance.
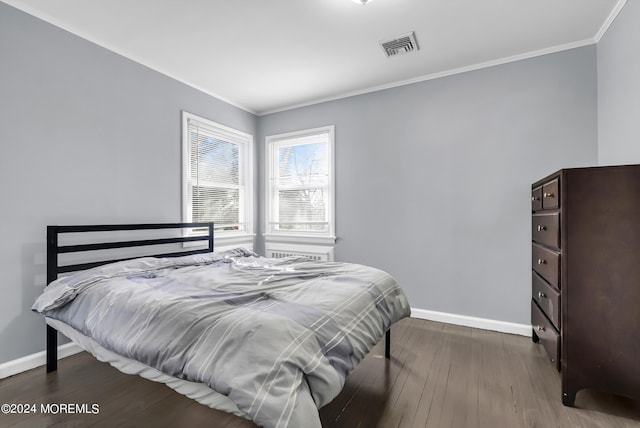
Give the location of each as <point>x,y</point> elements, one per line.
<point>244,141</point>
<point>273,143</point>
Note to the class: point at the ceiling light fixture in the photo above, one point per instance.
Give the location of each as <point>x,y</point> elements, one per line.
<point>362,2</point>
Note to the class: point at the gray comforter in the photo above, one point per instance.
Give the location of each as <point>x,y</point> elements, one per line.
<point>277,336</point>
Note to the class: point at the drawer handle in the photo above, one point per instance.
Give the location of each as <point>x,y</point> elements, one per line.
<point>548,195</point>
<point>542,262</point>
<point>541,228</point>
<point>541,295</point>
<point>535,198</point>
<point>540,328</point>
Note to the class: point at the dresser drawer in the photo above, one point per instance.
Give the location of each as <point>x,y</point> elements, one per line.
<point>547,264</point>
<point>545,228</point>
<point>547,297</point>
<point>547,334</point>
<point>551,195</point>
<point>536,199</point>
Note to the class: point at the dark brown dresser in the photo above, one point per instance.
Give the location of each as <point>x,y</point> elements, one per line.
<point>585,307</point>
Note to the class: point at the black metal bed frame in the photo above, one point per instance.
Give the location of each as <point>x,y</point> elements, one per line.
<point>54,249</point>
<point>54,269</point>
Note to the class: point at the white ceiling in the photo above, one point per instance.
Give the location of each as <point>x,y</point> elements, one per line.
<point>271,55</point>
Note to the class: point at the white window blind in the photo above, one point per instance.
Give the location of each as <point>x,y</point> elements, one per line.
<point>216,175</point>
<point>301,183</point>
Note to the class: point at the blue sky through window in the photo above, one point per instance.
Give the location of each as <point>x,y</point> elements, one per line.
<point>303,163</point>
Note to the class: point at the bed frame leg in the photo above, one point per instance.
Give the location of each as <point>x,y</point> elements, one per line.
<point>52,349</point>
<point>387,345</point>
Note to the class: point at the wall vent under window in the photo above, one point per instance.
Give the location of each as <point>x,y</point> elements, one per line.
<point>282,254</point>
<point>399,45</point>
<point>320,253</point>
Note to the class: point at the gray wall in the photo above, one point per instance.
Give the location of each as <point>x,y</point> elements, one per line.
<point>619,89</point>
<point>86,136</point>
<point>433,179</point>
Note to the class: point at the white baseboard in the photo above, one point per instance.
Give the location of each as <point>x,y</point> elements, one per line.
<point>481,323</point>
<point>38,359</point>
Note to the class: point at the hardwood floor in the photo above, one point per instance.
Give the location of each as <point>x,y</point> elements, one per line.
<point>439,376</point>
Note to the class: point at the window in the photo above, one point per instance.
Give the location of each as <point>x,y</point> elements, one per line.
<point>216,176</point>
<point>300,187</point>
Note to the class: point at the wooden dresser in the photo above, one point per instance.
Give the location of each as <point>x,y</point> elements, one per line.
<point>585,307</point>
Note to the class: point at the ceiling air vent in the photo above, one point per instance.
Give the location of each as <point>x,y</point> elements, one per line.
<point>400,44</point>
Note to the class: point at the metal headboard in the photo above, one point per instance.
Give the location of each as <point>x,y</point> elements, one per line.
<point>54,250</point>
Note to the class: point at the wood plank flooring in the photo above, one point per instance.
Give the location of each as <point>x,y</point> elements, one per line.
<point>439,376</point>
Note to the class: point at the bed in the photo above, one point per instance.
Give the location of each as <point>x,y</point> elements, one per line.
<point>271,340</point>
